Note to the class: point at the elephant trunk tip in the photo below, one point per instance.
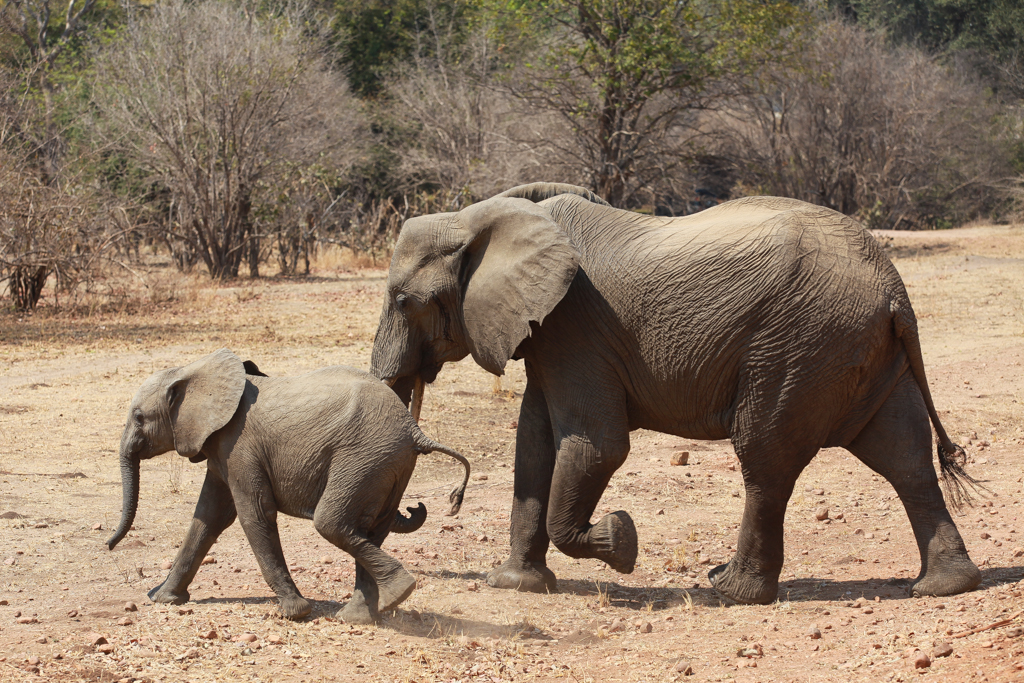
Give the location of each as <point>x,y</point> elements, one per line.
<point>116,538</point>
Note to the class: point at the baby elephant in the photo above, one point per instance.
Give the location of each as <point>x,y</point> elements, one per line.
<point>335,445</point>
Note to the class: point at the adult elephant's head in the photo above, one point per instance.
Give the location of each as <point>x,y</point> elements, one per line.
<point>471,283</point>
<point>176,409</point>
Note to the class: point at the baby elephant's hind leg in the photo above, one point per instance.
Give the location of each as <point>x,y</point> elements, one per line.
<point>381,580</point>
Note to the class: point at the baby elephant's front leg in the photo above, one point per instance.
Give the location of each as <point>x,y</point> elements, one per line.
<point>214,513</point>
<point>259,521</point>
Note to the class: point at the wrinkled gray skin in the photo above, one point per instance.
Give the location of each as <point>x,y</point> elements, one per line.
<point>334,445</point>
<point>769,321</point>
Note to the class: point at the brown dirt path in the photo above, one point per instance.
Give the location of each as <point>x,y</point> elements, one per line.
<point>65,383</point>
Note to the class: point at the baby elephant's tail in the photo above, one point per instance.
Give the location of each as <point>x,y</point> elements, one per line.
<point>427,445</point>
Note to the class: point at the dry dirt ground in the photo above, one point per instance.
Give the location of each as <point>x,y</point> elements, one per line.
<point>66,379</point>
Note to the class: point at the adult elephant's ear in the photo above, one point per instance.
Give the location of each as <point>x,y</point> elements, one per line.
<point>538,192</point>
<point>203,397</point>
<point>516,267</point>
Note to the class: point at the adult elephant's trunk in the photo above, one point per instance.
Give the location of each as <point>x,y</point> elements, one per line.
<point>129,494</point>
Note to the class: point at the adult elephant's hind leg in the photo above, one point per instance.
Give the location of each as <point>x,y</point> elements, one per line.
<point>526,567</point>
<point>769,473</point>
<point>897,443</point>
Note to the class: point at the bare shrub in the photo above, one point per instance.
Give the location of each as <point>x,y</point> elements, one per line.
<point>214,101</point>
<point>62,228</point>
<point>887,135</point>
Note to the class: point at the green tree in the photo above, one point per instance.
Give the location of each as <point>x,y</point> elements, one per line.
<point>627,76</point>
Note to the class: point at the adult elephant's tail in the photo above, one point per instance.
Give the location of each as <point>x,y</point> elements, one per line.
<point>957,483</point>
<point>427,445</point>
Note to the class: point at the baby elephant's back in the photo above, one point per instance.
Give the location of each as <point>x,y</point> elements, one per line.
<point>341,402</point>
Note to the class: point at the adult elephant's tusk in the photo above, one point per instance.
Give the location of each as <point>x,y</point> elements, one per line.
<point>416,405</point>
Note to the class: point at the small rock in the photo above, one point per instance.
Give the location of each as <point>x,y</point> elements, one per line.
<point>869,535</point>
<point>646,627</point>
<point>942,650</point>
<point>166,564</point>
<point>105,648</point>
<point>985,536</point>
<point>481,477</point>
<point>818,492</point>
<point>185,610</point>
<point>858,532</point>
<point>41,640</point>
<point>684,668</point>
<point>821,514</point>
<point>125,621</point>
<point>660,511</point>
<point>472,586</point>
<point>680,458</point>
<point>209,559</point>
<point>208,635</point>
<point>27,620</point>
<point>275,639</point>
<point>921,660</point>
<point>326,559</point>
<point>616,625</point>
<point>482,538</point>
<point>131,607</point>
<point>98,526</point>
<point>814,633</point>
<point>246,638</point>
<point>95,639</point>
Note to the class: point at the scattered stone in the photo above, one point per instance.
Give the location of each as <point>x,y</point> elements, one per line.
<point>920,660</point>
<point>209,559</point>
<point>684,668</point>
<point>41,640</point>
<point>131,607</point>
<point>98,526</point>
<point>985,536</point>
<point>838,516</point>
<point>184,610</point>
<point>869,535</point>
<point>208,635</point>
<point>942,650</point>
<point>275,639</point>
<point>95,639</point>
<point>166,564</point>
<point>481,477</point>
<point>646,627</point>
<point>246,638</point>
<point>616,625</point>
<point>482,538</point>
<point>27,620</point>
<point>858,532</point>
<point>326,559</point>
<point>680,458</point>
<point>818,492</point>
<point>34,661</point>
<point>821,514</point>
<point>472,586</point>
<point>125,621</point>
<point>105,648</point>
<point>814,633</point>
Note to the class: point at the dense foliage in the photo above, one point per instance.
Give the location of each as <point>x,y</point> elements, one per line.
<point>229,134</point>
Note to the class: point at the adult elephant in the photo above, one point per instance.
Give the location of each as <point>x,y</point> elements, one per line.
<point>778,324</point>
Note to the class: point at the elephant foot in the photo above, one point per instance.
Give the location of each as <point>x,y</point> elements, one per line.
<point>295,607</point>
<point>615,536</point>
<point>947,577</point>
<point>527,577</point>
<point>394,591</point>
<point>356,611</point>
<point>167,596</point>
<point>742,587</point>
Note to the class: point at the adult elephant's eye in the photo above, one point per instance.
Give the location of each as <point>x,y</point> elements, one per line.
<point>401,300</point>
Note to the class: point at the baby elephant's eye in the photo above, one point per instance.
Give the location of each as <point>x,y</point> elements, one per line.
<point>139,418</point>
<point>401,300</point>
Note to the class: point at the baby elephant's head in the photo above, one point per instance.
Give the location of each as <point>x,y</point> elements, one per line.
<point>176,409</point>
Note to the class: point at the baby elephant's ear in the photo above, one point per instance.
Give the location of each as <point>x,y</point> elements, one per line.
<point>203,397</point>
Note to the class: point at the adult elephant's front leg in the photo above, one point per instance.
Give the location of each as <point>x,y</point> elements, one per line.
<point>214,513</point>
<point>582,471</point>
<point>526,567</point>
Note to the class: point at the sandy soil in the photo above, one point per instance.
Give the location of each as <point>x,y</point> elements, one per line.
<point>67,378</point>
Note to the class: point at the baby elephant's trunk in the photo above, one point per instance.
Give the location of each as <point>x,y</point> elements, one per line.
<point>129,495</point>
<point>428,445</point>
